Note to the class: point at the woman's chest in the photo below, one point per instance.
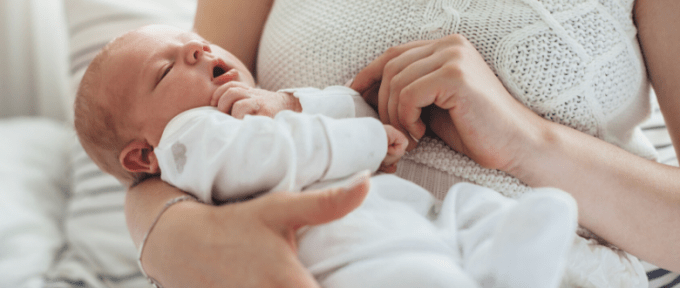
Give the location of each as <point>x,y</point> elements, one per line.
<point>575,62</point>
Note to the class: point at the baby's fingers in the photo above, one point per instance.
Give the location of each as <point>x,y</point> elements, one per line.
<point>245,107</point>
<point>221,91</point>
<point>396,147</point>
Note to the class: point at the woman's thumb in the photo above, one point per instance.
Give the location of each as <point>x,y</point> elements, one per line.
<point>293,211</point>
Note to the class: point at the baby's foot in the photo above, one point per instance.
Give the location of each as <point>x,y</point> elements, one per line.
<point>530,242</point>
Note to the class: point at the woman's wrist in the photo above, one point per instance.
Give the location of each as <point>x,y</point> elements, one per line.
<point>174,237</point>
<point>534,145</point>
<point>167,205</point>
<point>143,202</point>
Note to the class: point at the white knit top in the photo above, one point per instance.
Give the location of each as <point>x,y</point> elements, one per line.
<point>575,62</point>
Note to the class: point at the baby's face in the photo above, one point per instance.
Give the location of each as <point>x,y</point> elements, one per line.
<point>165,71</point>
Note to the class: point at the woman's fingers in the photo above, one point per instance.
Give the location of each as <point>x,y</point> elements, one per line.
<point>426,75</point>
<point>451,74</point>
<point>374,71</point>
<point>401,66</point>
<point>393,79</point>
<point>417,61</point>
<point>437,88</point>
<point>404,87</point>
<point>371,95</point>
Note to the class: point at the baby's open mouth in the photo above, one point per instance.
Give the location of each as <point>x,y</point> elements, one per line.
<point>222,73</point>
<point>218,71</point>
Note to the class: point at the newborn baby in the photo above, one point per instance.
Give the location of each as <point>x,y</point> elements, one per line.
<point>159,100</point>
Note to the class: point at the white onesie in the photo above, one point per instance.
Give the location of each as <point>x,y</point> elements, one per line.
<point>400,236</point>
<point>216,156</point>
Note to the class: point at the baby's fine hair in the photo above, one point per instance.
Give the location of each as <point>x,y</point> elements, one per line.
<point>97,125</point>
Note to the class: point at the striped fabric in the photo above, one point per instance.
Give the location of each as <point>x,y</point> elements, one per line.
<point>661,278</point>
<point>655,129</point>
<point>99,251</point>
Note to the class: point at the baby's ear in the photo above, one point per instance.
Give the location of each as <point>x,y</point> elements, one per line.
<point>138,157</point>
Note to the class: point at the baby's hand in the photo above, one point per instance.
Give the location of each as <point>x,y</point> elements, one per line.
<point>238,99</point>
<point>396,147</point>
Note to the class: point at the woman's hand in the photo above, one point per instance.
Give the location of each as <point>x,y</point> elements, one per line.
<point>484,121</point>
<point>248,244</point>
<point>481,120</point>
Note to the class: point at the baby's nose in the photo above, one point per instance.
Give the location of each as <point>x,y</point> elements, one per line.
<point>194,49</point>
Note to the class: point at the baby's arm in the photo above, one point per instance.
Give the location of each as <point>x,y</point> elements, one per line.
<point>333,101</point>
<point>238,99</point>
<point>343,102</point>
<point>214,155</point>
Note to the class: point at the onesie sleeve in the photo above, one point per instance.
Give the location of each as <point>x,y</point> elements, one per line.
<point>333,101</point>
<point>219,158</point>
<point>353,144</point>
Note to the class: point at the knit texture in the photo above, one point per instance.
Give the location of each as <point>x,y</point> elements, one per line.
<point>574,62</point>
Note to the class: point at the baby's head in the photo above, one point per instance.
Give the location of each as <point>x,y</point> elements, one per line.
<point>136,85</point>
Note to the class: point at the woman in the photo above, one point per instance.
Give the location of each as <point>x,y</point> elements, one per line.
<point>623,197</point>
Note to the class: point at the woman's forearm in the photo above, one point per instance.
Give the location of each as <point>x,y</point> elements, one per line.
<point>628,200</point>
<point>143,203</point>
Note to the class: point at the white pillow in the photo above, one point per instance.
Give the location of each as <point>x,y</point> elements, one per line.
<point>100,251</point>
<point>34,172</point>
<point>34,58</point>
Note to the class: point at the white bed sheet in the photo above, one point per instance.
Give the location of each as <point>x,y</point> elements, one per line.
<point>34,176</point>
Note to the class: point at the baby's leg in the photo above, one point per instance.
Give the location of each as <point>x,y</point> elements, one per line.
<point>512,243</point>
<point>407,270</point>
<point>389,241</point>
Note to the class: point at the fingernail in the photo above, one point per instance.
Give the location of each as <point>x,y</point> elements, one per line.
<point>349,83</point>
<point>357,179</point>
<point>413,137</point>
